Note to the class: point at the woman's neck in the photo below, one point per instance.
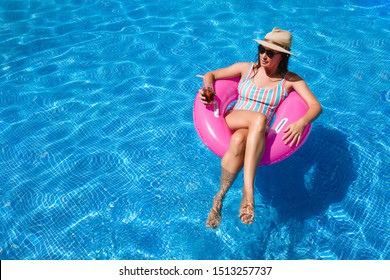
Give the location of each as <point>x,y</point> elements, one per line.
<point>272,73</point>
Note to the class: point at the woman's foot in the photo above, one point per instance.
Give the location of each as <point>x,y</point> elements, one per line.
<point>227,179</point>
<point>247,210</point>
<point>215,213</point>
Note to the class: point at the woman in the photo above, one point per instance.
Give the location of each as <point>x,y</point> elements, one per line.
<point>263,85</point>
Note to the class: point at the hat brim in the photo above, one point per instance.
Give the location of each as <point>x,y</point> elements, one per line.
<point>273,46</point>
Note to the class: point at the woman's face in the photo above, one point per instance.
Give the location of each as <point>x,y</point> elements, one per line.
<point>269,58</point>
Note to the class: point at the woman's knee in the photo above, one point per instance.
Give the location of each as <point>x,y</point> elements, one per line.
<point>238,141</point>
<point>259,123</point>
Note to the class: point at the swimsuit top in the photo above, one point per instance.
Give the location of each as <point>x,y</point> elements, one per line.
<point>263,100</point>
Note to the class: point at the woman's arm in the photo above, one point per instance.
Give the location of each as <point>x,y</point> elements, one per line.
<point>237,69</point>
<point>293,132</point>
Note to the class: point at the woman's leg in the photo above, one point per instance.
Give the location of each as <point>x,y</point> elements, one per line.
<point>231,164</point>
<point>256,124</point>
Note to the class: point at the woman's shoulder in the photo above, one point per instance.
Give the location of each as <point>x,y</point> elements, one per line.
<point>242,67</point>
<point>234,70</point>
<point>244,63</point>
<point>294,81</point>
<point>292,77</point>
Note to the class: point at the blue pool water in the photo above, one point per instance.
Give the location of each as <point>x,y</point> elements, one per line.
<point>99,158</point>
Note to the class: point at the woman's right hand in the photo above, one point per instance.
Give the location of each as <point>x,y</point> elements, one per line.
<point>206,95</point>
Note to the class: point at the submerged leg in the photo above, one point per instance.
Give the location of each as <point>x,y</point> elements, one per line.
<point>214,217</point>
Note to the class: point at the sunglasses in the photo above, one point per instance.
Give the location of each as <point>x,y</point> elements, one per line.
<point>269,53</point>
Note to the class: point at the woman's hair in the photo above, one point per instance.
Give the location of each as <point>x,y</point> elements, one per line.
<point>282,67</point>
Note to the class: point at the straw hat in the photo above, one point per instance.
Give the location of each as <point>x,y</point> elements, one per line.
<point>278,40</point>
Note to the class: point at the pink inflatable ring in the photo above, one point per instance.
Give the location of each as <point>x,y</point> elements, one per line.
<point>213,131</point>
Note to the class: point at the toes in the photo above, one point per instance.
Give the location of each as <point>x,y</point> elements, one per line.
<point>247,219</point>
<point>213,220</point>
<point>247,213</point>
<point>212,224</point>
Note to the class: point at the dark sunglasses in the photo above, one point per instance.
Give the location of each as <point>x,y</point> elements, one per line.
<point>269,53</point>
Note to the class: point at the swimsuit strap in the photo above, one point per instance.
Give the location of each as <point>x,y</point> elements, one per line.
<point>284,82</point>
<point>249,72</point>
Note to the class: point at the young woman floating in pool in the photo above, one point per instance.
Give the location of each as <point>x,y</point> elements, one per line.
<point>263,85</point>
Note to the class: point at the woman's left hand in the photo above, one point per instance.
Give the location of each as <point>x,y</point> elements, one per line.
<point>293,133</point>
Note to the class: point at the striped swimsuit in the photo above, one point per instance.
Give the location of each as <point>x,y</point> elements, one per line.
<point>263,100</point>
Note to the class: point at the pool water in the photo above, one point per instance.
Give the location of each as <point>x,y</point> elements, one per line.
<point>99,157</point>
